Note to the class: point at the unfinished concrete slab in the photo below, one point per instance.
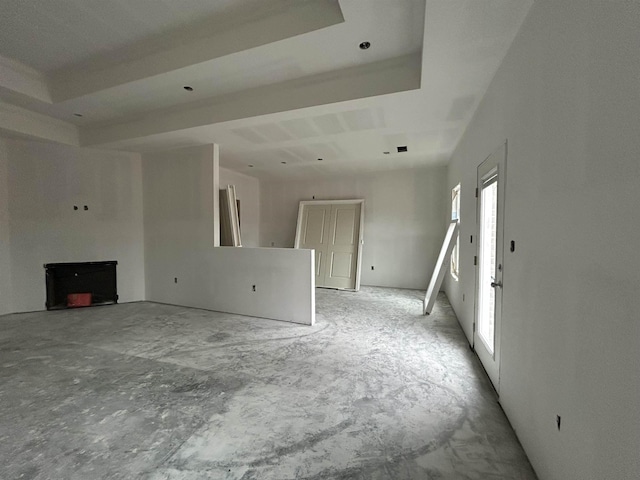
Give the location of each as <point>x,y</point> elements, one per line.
<point>375,390</point>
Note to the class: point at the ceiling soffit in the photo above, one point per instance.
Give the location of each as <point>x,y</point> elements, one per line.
<point>202,42</point>
<point>292,83</point>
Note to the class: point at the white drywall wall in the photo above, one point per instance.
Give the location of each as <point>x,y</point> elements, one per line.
<point>248,192</point>
<point>567,99</point>
<point>45,181</point>
<point>5,235</point>
<point>178,213</point>
<point>404,220</point>
<point>184,268</point>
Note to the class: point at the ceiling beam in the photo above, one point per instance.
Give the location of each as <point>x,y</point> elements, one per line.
<point>18,121</point>
<point>211,41</point>
<point>17,79</point>
<point>379,78</point>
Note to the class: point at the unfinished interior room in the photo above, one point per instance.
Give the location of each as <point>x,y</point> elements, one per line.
<point>319,239</point>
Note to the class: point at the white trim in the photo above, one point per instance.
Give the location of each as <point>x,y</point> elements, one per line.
<point>455,273</point>
<point>439,270</point>
<point>233,216</point>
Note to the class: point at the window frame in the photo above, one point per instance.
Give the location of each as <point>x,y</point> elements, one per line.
<point>454,267</point>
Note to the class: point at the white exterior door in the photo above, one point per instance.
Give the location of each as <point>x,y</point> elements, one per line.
<point>486,341</point>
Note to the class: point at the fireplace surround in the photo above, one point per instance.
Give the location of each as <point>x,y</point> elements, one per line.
<point>95,278</point>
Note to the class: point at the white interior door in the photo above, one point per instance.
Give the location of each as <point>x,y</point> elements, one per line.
<point>491,181</point>
<point>334,230</point>
<point>314,234</point>
<point>342,248</point>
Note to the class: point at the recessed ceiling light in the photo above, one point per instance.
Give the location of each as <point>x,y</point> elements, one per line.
<point>364,45</point>
<point>386,153</point>
<point>250,166</point>
<point>320,159</point>
<point>77,114</point>
<point>284,163</point>
<point>188,88</point>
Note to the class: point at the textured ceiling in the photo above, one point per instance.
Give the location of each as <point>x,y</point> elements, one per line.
<point>278,84</point>
<point>50,35</point>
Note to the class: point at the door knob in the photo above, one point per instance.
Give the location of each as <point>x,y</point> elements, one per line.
<point>496,284</point>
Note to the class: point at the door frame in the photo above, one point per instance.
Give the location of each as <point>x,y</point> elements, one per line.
<point>499,157</point>
<point>356,201</point>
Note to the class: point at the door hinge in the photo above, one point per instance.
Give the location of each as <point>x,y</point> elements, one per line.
<point>474,327</point>
<point>476,192</point>
<point>475,260</point>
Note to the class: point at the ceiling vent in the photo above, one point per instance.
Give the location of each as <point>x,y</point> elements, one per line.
<point>402,149</point>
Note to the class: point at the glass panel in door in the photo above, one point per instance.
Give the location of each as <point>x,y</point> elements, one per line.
<point>487,263</point>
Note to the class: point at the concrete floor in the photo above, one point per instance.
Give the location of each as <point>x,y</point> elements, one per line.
<point>374,391</point>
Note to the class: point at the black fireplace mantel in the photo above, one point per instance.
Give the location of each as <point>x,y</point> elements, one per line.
<point>96,278</point>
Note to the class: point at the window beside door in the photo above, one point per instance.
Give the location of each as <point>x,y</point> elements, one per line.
<point>455,215</point>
